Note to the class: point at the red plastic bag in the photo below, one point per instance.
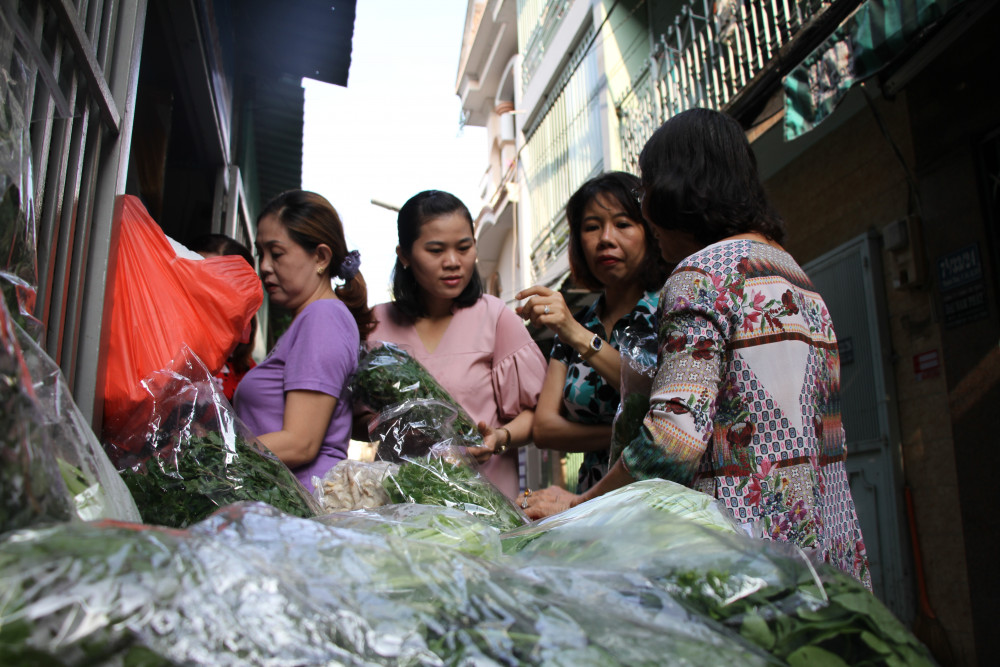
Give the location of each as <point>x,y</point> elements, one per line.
<point>163,302</point>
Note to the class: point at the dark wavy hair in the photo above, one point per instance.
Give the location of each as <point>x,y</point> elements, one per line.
<point>419,209</point>
<point>311,220</point>
<point>620,186</point>
<point>699,176</point>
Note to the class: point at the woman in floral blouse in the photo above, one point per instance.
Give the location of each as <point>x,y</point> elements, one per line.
<point>745,403</point>
<point>611,251</point>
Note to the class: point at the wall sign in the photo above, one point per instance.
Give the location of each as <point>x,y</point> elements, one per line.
<point>927,365</point>
<point>963,291</point>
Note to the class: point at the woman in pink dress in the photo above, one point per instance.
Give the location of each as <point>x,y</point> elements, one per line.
<point>473,345</point>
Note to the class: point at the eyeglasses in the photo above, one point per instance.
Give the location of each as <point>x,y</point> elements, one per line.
<point>638,193</point>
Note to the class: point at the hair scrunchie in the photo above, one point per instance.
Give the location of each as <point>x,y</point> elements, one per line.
<point>350,266</point>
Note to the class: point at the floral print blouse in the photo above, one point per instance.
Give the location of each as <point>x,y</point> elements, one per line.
<point>745,403</point>
<point>587,398</point>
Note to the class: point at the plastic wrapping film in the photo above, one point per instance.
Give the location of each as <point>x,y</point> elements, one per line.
<point>394,385</point>
<point>97,490</point>
<point>353,485</point>
<point>32,490</point>
<point>184,454</point>
<point>683,542</point>
<point>18,236</point>
<point>251,586</point>
<point>638,354</point>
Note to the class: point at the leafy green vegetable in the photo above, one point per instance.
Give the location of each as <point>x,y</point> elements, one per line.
<point>184,483</point>
<point>388,376</point>
<point>433,480</point>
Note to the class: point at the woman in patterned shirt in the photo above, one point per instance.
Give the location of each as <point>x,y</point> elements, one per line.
<point>611,251</point>
<point>745,403</point>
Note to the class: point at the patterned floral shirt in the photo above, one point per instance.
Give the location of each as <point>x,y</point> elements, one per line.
<point>745,404</point>
<point>587,398</point>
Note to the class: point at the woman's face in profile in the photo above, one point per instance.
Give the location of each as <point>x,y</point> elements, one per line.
<point>288,270</point>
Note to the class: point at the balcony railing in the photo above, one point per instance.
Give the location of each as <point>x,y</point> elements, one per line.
<point>537,21</point>
<point>711,53</point>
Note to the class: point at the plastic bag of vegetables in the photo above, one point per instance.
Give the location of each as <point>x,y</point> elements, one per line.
<point>352,485</point>
<point>446,476</point>
<point>186,454</point>
<point>769,593</point>
<point>251,586</point>
<point>97,490</point>
<point>414,411</point>
<point>31,489</point>
<point>638,354</point>
<point>439,525</point>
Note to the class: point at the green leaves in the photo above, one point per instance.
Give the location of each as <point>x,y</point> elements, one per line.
<point>435,481</point>
<point>184,483</point>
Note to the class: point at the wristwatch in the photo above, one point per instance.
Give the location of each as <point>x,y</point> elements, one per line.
<point>596,343</point>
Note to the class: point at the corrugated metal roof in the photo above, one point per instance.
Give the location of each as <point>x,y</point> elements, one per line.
<point>302,38</point>
<point>279,43</point>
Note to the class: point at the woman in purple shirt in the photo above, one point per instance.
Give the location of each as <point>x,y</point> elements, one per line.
<point>296,399</point>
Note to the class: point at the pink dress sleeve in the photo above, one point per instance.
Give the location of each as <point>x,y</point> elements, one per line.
<point>518,367</point>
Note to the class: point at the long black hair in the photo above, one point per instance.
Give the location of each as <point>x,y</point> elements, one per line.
<point>621,187</point>
<point>699,176</point>
<point>420,209</point>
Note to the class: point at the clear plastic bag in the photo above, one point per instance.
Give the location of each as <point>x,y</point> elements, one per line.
<point>18,236</point>
<point>97,490</point>
<point>414,427</point>
<point>185,454</point>
<point>250,586</point>
<point>447,476</point>
<point>685,545</point>
<point>353,485</point>
<point>32,490</point>
<point>638,351</point>
<point>388,376</point>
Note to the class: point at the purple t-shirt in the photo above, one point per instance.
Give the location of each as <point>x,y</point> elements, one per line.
<point>318,352</point>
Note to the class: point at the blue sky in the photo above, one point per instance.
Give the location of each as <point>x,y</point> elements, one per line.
<point>394,130</point>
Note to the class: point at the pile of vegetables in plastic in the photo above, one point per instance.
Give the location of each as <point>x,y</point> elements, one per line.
<point>654,573</point>
<point>186,454</point>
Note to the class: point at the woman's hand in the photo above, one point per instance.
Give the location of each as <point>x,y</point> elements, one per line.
<point>490,442</point>
<point>540,504</point>
<point>546,308</point>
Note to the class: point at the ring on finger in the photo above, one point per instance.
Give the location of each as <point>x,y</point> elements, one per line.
<point>546,310</point>
<point>524,503</point>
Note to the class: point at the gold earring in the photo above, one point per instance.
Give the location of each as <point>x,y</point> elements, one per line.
<point>319,270</point>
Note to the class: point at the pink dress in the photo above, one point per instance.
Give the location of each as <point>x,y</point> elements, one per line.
<point>487,362</point>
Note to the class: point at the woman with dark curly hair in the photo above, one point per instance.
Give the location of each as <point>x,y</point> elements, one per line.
<point>612,251</point>
<point>746,399</point>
